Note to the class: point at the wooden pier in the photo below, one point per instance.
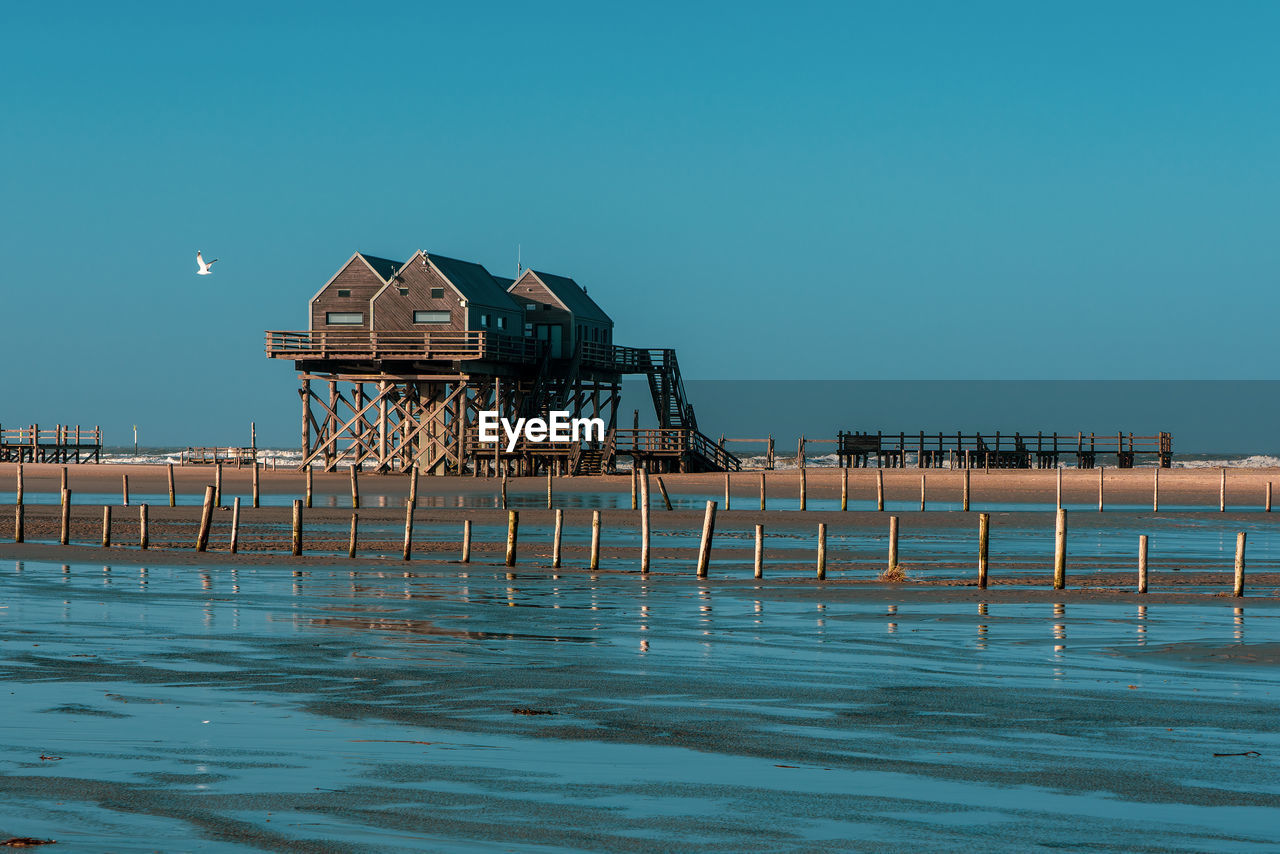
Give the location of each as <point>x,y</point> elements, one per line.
<point>62,443</point>
<point>212,456</point>
<point>1017,451</point>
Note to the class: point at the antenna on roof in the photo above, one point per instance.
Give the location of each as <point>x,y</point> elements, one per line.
<point>519,268</point>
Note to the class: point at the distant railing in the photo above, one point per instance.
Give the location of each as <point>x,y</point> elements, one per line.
<point>211,456</point>
<point>61,443</point>
<point>406,344</point>
<point>669,442</point>
<point>996,450</point>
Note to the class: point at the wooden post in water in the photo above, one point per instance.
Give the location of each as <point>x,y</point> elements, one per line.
<point>206,519</point>
<point>634,476</point>
<point>19,532</point>
<point>1142,563</point>
<point>1266,505</point>
<point>893,542</point>
<point>965,499</point>
<point>595,540</point>
<point>726,490</point>
<point>352,538</point>
<point>822,551</point>
<point>704,547</point>
<point>308,491</point>
<point>18,498</point>
<point>355,489</point>
<point>64,485</point>
<point>804,498</point>
<point>922,492</point>
<point>413,485</point>
<point>173,492</point>
<point>759,551</point>
<point>984,540</point>
<point>879,490</point>
<point>555,543</point>
<point>106,526</point>
<point>144,538</point>
<point>124,490</point>
<point>1101,469</point>
<point>407,549</point>
<point>217,486</point>
<point>297,527</point>
<point>513,529</point>
<point>466,541</point>
<point>235,524</point>
<point>1155,490</point>
<point>662,490</point>
<point>65,536</point>
<point>255,483</point>
<point>1060,552</point>
<point>762,493</point>
<point>844,489</point>
<point>644,521</point>
<point>1059,488</point>
<point>800,454</point>
<point>1222,492</point>
<point>1238,589</point>
<point>504,490</point>
<point>549,488</point>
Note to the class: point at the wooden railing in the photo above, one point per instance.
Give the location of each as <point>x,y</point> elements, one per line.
<point>61,443</point>
<point>398,344</point>
<point>997,450</point>
<point>211,456</point>
<point>667,442</point>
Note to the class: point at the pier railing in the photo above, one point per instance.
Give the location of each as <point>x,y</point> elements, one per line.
<point>401,344</point>
<point>62,443</point>
<point>997,450</point>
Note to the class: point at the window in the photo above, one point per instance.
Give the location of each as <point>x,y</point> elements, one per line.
<point>431,317</point>
<point>404,292</point>
<point>533,306</point>
<point>344,318</point>
<point>595,334</point>
<point>344,292</point>
<point>437,293</point>
<point>502,322</point>
<point>528,330</point>
<point>484,321</point>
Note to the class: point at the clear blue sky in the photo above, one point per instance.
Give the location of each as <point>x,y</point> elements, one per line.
<point>852,190</point>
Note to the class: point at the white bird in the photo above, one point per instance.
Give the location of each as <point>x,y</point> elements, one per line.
<point>204,268</point>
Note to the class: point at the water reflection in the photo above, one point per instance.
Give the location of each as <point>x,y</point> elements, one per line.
<point>982,627</point>
<point>893,612</point>
<point>1060,636</point>
<point>1238,621</point>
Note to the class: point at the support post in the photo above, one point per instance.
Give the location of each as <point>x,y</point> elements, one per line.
<point>19,532</point>
<point>634,475</point>
<point>879,490</point>
<point>984,542</point>
<point>893,543</point>
<point>206,519</point>
<point>844,489</point>
<point>1101,498</point>
<point>173,493</point>
<point>644,521</point>
<point>1059,470</point>
<point>549,487</point>
<point>822,551</point>
<point>922,493</point>
<point>355,488</point>
<point>595,540</point>
<point>297,527</point>
<point>1266,505</point>
<point>513,529</point>
<point>1238,589</point>
<point>407,550</point>
<point>413,485</point>
<point>217,485</point>
<point>144,535</point>
<point>235,524</point>
<point>704,547</point>
<point>1142,563</point>
<point>662,490</point>
<point>1155,490</point>
<point>124,490</point>
<point>308,488</point>
<point>555,542</point>
<point>966,489</point>
<point>503,489</point>
<point>759,551</point>
<point>1222,492</point>
<point>65,536</point>
<point>804,498</point>
<point>255,484</point>
<point>1060,552</point>
<point>106,526</point>
<point>466,541</point>
<point>18,497</point>
<point>762,493</point>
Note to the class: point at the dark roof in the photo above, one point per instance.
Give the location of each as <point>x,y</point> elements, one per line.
<point>573,296</point>
<point>384,267</point>
<point>504,282</point>
<point>475,283</point>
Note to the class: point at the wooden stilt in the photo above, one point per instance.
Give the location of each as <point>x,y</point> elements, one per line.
<point>1142,563</point>
<point>822,551</point>
<point>1060,552</point>
<point>106,526</point>
<point>65,536</point>
<point>644,521</point>
<point>513,529</point>
<point>1238,588</point>
<point>235,524</point>
<point>355,488</point>
<point>662,490</point>
<point>124,490</point>
<point>407,550</point>
<point>466,541</point>
<point>804,498</point>
<point>144,538</point>
<point>708,531</point>
<point>893,543</point>
<point>555,543</point>
<point>844,489</point>
<point>879,490</point>
<point>206,519</point>
<point>297,527</point>
<point>759,573</point>
<point>984,538</point>
<point>595,540</point>
<point>173,493</point>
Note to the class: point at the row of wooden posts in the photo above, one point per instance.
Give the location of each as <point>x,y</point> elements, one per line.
<point>513,527</point>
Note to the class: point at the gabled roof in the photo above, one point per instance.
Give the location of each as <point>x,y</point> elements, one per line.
<point>384,267</point>
<point>574,297</point>
<point>474,282</point>
<point>504,282</point>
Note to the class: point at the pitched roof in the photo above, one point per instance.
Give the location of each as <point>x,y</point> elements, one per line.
<point>474,282</point>
<point>572,295</point>
<point>504,282</point>
<point>384,267</point>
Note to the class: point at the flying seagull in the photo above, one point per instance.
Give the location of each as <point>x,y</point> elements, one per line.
<point>204,268</point>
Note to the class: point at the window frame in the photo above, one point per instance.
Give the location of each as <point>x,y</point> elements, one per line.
<point>448,315</point>
<point>329,321</point>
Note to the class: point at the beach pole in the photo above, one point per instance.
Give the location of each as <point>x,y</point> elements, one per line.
<point>64,485</point>
<point>173,493</point>
<point>65,536</point>
<point>19,534</point>
<point>217,486</point>
<point>762,492</point>
<point>1142,563</point>
<point>595,540</point>
<point>307,479</point>
<point>555,543</point>
<point>984,541</point>
<point>822,551</point>
<point>144,538</point>
<point>1059,488</point>
<point>413,485</point>
<point>1155,490</point>
<point>922,493</point>
<point>1222,492</point>
<point>206,519</point>
<point>704,547</point>
<point>106,526</point>
<point>235,524</point>
<point>18,498</point>
<point>804,497</point>
<point>662,490</point>
<point>1266,505</point>
<point>466,541</point>
<point>297,527</point>
<point>759,551</point>
<point>255,483</point>
<point>634,477</point>
<point>1238,590</point>
<point>1060,552</point>
<point>504,490</point>
<point>893,542</point>
<point>124,489</point>
<point>644,521</point>
<point>513,528</point>
<point>965,499</point>
<point>352,537</point>
<point>879,490</point>
<point>1101,469</point>
<point>407,549</point>
<point>726,490</point>
<point>549,488</point>
<point>844,489</point>
<point>355,489</point>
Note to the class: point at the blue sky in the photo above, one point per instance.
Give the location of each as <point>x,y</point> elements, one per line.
<point>834,191</point>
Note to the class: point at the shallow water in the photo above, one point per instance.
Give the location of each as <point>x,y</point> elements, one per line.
<point>266,709</point>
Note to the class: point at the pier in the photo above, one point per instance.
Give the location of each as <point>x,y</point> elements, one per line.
<point>62,443</point>
<point>1017,451</point>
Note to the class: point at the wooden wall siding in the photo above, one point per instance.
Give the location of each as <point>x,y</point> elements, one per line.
<point>362,282</point>
<point>530,289</point>
<point>394,312</point>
